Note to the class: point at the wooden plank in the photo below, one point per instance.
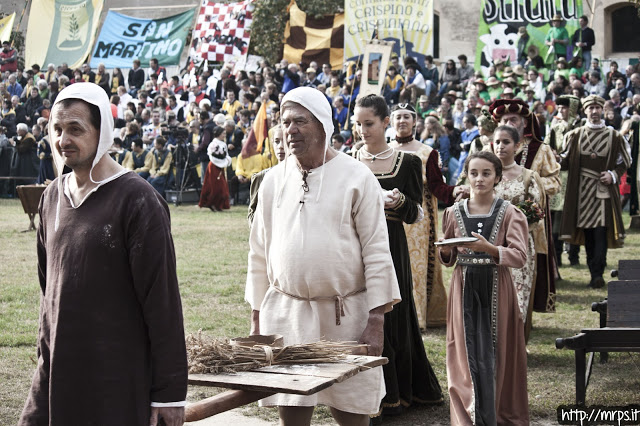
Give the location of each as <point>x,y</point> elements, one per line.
<point>337,371</point>
<point>612,339</point>
<point>629,269</point>
<point>581,388</point>
<point>263,382</point>
<point>220,403</point>
<point>623,298</point>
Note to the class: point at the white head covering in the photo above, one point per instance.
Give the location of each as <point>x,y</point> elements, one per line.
<point>94,95</point>
<point>218,153</point>
<point>317,104</point>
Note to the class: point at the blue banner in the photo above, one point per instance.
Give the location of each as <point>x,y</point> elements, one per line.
<point>124,38</point>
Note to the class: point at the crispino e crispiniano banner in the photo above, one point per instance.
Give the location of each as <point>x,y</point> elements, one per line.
<point>408,22</point>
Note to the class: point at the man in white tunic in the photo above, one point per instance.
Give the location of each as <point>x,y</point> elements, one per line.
<point>319,260</point>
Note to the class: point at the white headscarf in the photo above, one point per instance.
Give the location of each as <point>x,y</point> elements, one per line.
<point>318,105</point>
<point>95,95</point>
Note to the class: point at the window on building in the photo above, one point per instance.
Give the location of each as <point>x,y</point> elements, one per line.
<point>624,29</point>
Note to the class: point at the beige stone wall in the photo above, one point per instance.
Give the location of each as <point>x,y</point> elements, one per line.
<point>458,27</point>
<point>602,24</point>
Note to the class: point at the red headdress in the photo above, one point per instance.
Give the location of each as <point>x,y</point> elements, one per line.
<point>517,106</point>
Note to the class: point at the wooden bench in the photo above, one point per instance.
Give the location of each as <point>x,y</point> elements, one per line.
<point>30,198</point>
<point>622,331</point>
<point>251,386</point>
<point>627,270</point>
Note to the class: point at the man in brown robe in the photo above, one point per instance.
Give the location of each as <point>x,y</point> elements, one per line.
<point>111,347</point>
<point>596,157</point>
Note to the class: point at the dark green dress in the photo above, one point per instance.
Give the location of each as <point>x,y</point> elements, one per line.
<point>408,375</point>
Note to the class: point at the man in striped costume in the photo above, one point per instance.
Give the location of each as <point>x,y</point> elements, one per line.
<point>596,157</point>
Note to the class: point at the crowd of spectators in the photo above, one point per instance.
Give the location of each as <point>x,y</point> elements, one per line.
<point>149,105</point>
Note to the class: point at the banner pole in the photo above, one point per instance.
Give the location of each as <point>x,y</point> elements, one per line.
<point>26,6</point>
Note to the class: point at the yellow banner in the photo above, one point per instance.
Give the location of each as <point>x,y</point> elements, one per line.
<point>407,22</point>
<point>61,31</point>
<point>6,25</point>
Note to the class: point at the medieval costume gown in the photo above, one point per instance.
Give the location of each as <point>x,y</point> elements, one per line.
<point>588,203</point>
<point>538,157</point>
<point>486,356</point>
<point>526,186</point>
<point>111,336</point>
<point>319,261</point>
<point>408,376</point>
<point>215,191</point>
<point>429,294</point>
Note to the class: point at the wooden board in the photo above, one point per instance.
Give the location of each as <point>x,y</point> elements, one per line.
<point>300,379</point>
<point>263,382</point>
<point>629,270</point>
<point>337,371</point>
<point>623,299</point>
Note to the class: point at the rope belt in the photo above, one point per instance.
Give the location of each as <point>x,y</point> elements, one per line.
<point>475,260</point>
<point>338,299</point>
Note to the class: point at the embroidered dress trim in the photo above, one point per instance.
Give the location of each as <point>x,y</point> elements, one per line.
<point>466,209</point>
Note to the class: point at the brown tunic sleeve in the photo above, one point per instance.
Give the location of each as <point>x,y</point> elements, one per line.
<point>153,266</point>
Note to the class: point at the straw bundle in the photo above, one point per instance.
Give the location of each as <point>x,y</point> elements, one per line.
<point>219,356</point>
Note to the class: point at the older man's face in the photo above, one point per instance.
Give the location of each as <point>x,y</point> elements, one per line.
<point>513,120</point>
<point>303,134</point>
<point>73,135</point>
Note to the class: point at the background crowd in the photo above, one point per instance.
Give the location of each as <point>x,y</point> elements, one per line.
<point>149,105</point>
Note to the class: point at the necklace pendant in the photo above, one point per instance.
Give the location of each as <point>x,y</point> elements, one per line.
<point>373,158</point>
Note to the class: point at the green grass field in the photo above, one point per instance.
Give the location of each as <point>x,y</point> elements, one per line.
<point>212,255</point>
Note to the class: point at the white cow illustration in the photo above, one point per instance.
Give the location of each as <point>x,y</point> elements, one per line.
<point>498,45</point>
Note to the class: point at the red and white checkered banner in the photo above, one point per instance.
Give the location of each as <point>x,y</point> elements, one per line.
<point>222,31</point>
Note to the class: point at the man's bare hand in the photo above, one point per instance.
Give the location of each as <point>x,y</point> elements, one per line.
<point>172,416</point>
<point>255,323</point>
<point>373,334</point>
<point>605,177</point>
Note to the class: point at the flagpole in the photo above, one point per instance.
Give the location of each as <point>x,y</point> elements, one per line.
<point>26,6</point>
<point>374,36</point>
